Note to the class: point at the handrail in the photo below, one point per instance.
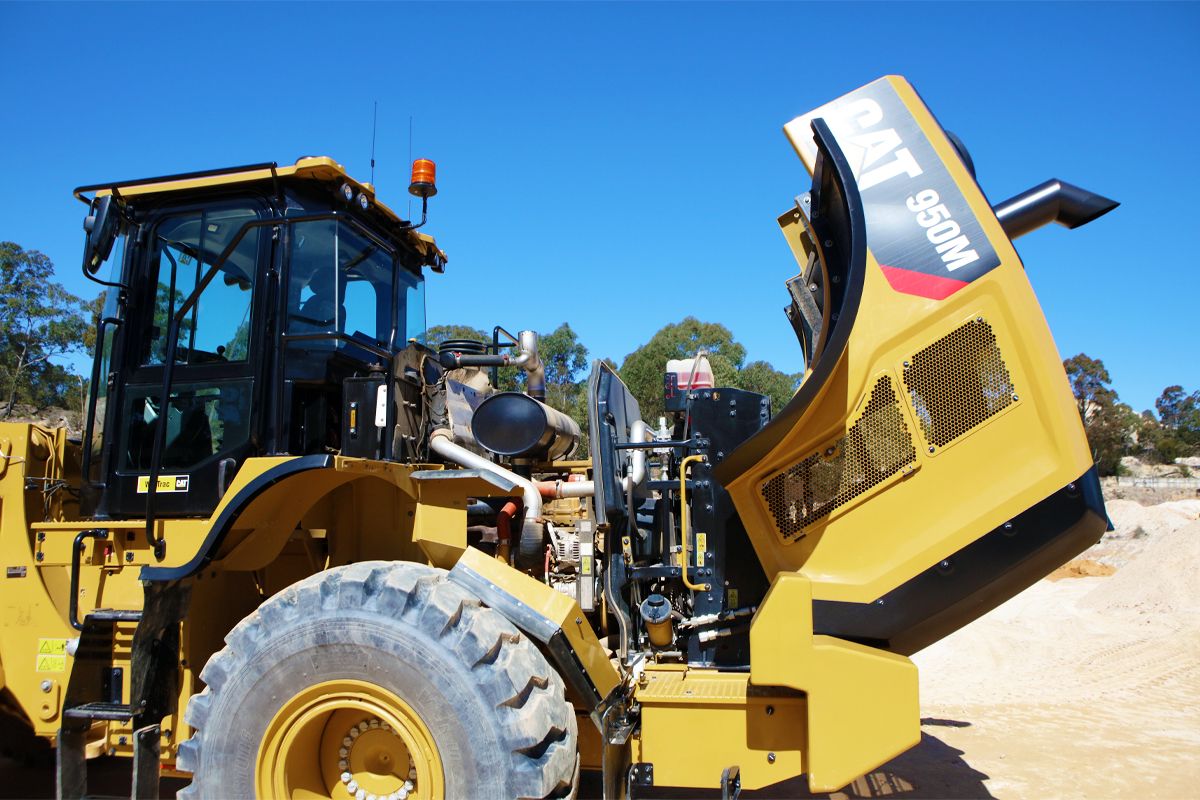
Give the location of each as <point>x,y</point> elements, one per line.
<point>181,176</point>
<point>99,534</point>
<point>90,422</point>
<point>683,524</point>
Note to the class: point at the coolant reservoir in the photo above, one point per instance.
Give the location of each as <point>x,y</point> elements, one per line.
<point>691,373</point>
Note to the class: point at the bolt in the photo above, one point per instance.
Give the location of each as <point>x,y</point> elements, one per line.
<point>47,686</point>
<point>829,242</point>
<point>1015,398</point>
<point>121,740</point>
<point>932,448</point>
<point>129,555</point>
<point>770,758</point>
<point>1009,529</point>
<point>40,555</point>
<point>906,364</point>
<point>812,287</point>
<point>770,710</point>
<point>836,279</point>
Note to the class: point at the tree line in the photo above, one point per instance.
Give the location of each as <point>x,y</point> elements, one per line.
<point>1115,430</point>
<point>40,322</point>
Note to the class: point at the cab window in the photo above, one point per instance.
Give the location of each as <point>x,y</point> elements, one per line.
<point>217,327</point>
<point>340,282</point>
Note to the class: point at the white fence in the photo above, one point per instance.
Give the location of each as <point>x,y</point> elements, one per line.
<point>1160,483</point>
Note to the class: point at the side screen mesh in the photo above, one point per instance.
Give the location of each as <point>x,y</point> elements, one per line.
<point>877,446</point>
<point>958,382</point>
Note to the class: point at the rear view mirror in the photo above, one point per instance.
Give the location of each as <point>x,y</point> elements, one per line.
<point>102,225</point>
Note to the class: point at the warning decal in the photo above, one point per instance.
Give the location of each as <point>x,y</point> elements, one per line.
<point>52,655</point>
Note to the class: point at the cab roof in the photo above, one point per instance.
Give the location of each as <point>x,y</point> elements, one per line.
<point>321,169</point>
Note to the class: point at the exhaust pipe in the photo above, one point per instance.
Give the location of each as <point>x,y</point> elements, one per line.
<point>1052,201</point>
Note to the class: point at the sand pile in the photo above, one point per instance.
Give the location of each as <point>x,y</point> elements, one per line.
<point>1137,525</point>
<point>1088,687</point>
<point>1161,579</point>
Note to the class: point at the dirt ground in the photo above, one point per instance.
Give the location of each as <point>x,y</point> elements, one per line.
<point>1085,686</point>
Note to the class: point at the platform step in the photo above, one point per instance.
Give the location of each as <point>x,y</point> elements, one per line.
<point>107,711</point>
<point>114,615</point>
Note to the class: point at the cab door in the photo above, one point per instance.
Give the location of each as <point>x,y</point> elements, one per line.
<point>211,416</point>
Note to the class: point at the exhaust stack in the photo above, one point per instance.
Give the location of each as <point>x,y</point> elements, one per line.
<point>1052,201</point>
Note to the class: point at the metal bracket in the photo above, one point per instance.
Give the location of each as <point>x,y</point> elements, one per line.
<point>146,752</point>
<point>731,783</point>
<point>70,763</point>
<point>641,774</point>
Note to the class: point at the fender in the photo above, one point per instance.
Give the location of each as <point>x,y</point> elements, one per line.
<point>229,513</point>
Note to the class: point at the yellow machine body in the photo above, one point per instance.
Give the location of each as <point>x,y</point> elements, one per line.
<point>274,532</point>
<point>931,465</point>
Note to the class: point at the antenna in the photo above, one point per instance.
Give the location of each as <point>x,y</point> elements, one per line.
<point>409,214</point>
<point>374,120</point>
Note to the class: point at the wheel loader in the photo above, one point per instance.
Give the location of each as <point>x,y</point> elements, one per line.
<point>301,552</point>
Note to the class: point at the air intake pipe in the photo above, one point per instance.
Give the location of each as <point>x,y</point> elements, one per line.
<point>529,548</point>
<point>1052,201</point>
<point>457,353</point>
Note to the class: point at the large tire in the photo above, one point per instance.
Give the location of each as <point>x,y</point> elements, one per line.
<point>495,709</point>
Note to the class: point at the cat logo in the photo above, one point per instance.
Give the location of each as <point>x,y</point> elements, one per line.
<point>938,247</point>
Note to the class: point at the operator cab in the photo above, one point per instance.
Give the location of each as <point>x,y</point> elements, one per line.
<point>248,297</point>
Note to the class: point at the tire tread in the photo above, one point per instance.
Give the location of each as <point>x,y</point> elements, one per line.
<point>529,697</point>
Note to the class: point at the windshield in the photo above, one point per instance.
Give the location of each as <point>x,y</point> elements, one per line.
<point>340,282</point>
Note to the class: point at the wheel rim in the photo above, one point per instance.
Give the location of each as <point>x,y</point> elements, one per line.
<point>348,740</point>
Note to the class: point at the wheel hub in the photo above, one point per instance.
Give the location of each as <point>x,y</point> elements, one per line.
<point>348,739</point>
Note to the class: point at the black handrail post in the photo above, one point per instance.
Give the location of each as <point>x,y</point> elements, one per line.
<point>99,534</point>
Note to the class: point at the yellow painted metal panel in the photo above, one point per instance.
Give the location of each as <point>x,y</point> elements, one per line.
<point>554,606</point>
<point>862,703</point>
<point>696,723</point>
<point>873,542</point>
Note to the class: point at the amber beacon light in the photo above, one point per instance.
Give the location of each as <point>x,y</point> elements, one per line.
<point>424,178</point>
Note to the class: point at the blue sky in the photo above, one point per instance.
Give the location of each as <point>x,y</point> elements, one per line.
<point>620,166</point>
